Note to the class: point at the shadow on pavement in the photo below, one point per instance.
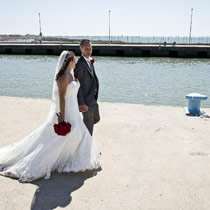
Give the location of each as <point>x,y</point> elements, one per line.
<point>57,190</point>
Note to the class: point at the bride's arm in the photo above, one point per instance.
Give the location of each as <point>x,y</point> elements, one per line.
<point>79,74</point>
<point>62,85</point>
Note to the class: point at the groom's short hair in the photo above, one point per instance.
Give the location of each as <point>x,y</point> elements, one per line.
<point>84,41</point>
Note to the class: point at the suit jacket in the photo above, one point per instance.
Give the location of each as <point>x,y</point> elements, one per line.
<point>89,84</point>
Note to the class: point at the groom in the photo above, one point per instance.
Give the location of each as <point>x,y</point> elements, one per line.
<point>89,85</point>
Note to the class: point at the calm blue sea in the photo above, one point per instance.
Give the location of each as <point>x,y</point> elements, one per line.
<point>157,81</point>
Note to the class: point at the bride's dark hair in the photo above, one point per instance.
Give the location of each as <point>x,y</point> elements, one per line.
<point>69,57</point>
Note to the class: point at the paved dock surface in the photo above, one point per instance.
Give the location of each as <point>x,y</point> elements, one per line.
<point>154,158</point>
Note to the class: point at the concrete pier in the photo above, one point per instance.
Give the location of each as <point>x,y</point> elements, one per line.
<point>154,158</point>
<point>179,51</point>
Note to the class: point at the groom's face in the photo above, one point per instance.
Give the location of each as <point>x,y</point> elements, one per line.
<point>86,50</point>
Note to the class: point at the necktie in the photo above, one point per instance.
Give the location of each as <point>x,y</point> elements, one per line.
<point>90,67</point>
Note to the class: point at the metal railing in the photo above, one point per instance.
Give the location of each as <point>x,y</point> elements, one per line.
<point>145,39</point>
<point>121,39</point>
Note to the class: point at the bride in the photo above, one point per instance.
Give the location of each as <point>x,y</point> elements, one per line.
<point>43,151</point>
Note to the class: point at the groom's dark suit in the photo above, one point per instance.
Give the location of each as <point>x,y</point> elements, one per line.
<point>88,91</point>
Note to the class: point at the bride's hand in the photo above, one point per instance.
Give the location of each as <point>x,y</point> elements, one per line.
<point>60,118</point>
<point>83,108</point>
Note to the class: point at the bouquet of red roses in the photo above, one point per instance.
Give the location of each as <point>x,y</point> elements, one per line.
<point>62,128</point>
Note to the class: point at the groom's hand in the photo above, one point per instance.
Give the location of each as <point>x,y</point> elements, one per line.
<point>83,108</point>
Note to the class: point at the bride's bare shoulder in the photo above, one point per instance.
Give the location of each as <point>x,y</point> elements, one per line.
<point>63,80</point>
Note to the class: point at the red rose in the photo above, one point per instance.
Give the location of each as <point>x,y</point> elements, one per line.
<point>92,61</point>
<point>62,128</point>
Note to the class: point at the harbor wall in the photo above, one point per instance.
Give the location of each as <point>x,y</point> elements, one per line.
<point>179,51</point>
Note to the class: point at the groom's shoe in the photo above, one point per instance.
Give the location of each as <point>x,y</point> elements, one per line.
<point>94,171</point>
<point>97,169</point>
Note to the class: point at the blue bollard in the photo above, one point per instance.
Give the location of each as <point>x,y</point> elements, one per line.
<point>194,102</point>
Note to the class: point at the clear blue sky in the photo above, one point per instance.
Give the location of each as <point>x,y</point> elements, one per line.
<point>130,17</point>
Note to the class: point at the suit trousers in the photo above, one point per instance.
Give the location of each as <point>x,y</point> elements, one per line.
<point>91,116</point>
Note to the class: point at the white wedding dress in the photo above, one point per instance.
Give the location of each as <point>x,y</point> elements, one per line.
<point>43,151</point>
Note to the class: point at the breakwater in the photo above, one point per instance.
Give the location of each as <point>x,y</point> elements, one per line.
<point>179,51</point>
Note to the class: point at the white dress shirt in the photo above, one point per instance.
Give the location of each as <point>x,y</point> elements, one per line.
<point>87,60</point>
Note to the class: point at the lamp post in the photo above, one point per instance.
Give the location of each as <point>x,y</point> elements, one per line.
<point>109,27</point>
<point>190,25</point>
<point>40,34</point>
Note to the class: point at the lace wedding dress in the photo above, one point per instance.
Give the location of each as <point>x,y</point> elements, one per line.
<point>43,151</point>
